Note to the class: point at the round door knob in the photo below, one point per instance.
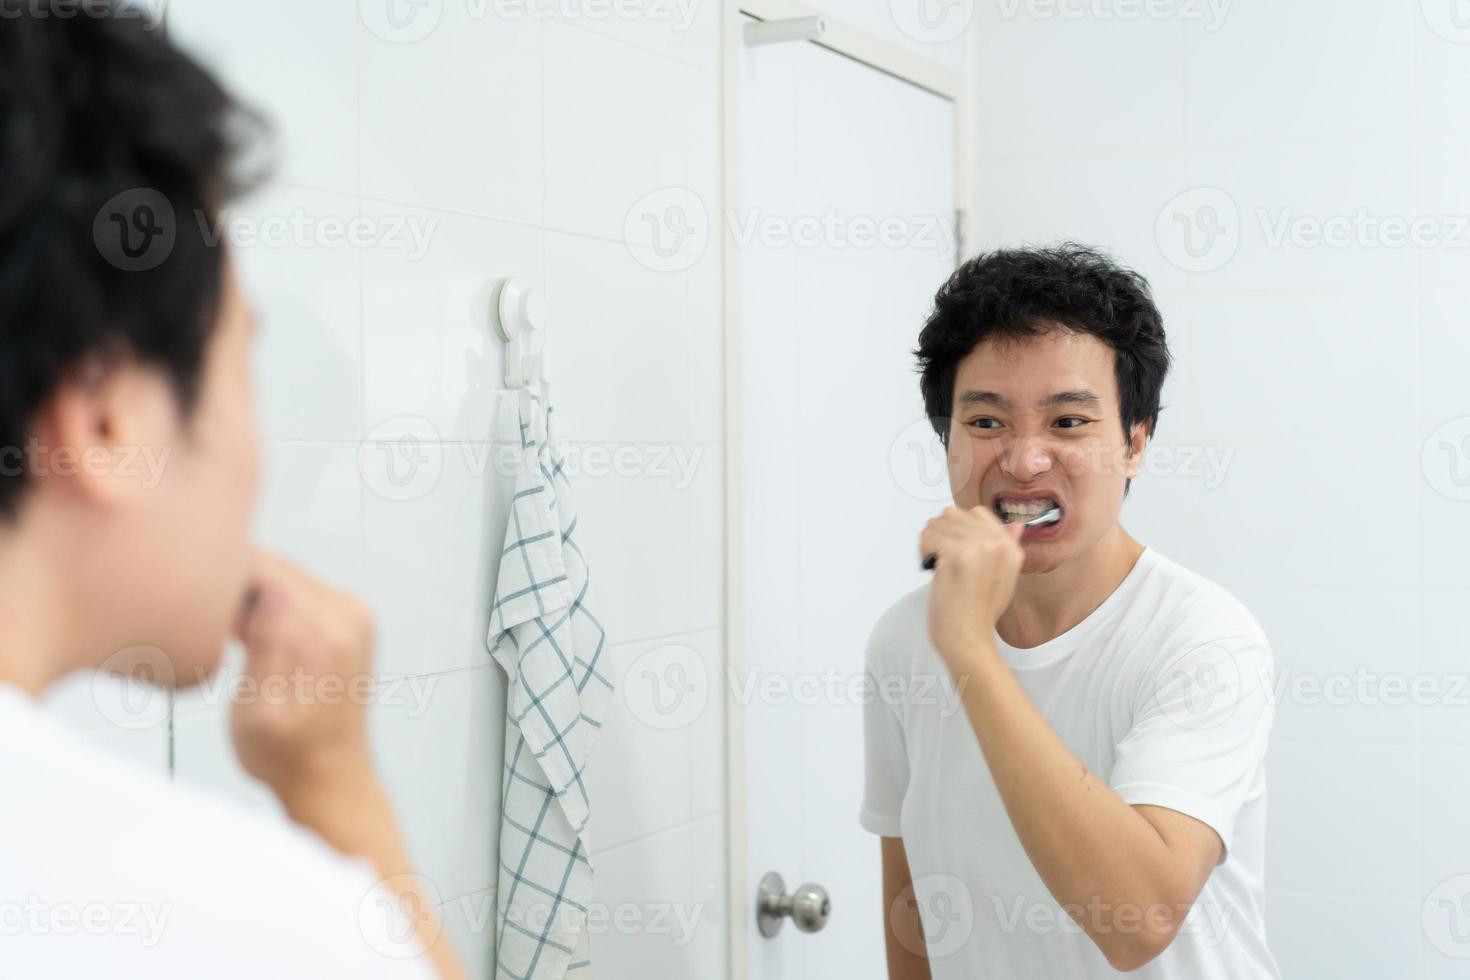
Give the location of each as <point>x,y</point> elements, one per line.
<point>808,906</point>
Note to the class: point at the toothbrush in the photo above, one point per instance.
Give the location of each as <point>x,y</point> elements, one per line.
<point>1050,517</point>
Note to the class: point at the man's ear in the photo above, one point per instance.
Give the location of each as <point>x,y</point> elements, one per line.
<point>1137,443</point>
<point>90,437</point>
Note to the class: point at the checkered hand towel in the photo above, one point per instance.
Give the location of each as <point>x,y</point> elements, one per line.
<point>551,647</point>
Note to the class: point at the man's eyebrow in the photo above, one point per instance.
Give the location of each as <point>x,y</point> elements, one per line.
<point>973,397</point>
<point>1075,396</point>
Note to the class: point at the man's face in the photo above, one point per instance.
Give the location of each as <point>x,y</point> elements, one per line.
<point>190,538</point>
<point>1036,423</point>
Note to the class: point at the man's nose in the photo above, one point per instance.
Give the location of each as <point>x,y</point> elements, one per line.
<point>1026,457</point>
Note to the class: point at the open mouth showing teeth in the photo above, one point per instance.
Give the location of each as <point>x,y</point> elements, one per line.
<point>1022,510</point>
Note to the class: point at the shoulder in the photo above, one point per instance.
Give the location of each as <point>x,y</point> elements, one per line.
<point>72,771</point>
<point>899,630</point>
<point>1187,611</point>
<point>207,870</point>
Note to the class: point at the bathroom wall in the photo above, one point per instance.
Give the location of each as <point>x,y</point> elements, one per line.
<point>1260,163</point>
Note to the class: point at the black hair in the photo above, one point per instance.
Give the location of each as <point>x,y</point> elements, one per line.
<point>119,151</point>
<point>1020,293</point>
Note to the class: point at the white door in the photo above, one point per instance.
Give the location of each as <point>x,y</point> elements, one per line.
<point>845,225</point>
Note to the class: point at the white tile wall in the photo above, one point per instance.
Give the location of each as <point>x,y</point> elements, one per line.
<point>1265,75</point>
<point>309,352</point>
<point>1319,371</point>
<point>621,124</point>
<point>455,120</point>
<point>297,64</point>
<point>661,904</point>
<point>675,781</point>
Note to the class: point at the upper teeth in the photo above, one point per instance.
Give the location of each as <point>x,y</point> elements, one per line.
<point>1029,508</point>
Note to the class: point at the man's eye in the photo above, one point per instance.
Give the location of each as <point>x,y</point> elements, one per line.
<point>1072,418</point>
<point>980,423</point>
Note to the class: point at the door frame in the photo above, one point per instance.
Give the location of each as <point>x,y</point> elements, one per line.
<point>892,59</point>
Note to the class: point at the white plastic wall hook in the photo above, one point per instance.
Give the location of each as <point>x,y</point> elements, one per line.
<point>519,317</point>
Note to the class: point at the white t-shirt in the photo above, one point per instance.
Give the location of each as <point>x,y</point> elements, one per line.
<point>110,870</point>
<point>1163,691</point>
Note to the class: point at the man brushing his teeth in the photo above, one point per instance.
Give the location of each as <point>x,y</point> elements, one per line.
<point>1099,807</point>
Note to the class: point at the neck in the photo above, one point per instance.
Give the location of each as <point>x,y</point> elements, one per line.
<point>1047,604</point>
<point>32,624</point>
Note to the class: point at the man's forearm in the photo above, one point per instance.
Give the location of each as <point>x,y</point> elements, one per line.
<point>903,929</point>
<point>351,812</point>
<point>1102,861</point>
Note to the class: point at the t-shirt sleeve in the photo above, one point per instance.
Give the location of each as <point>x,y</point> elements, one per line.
<point>1199,738</point>
<point>886,762</point>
